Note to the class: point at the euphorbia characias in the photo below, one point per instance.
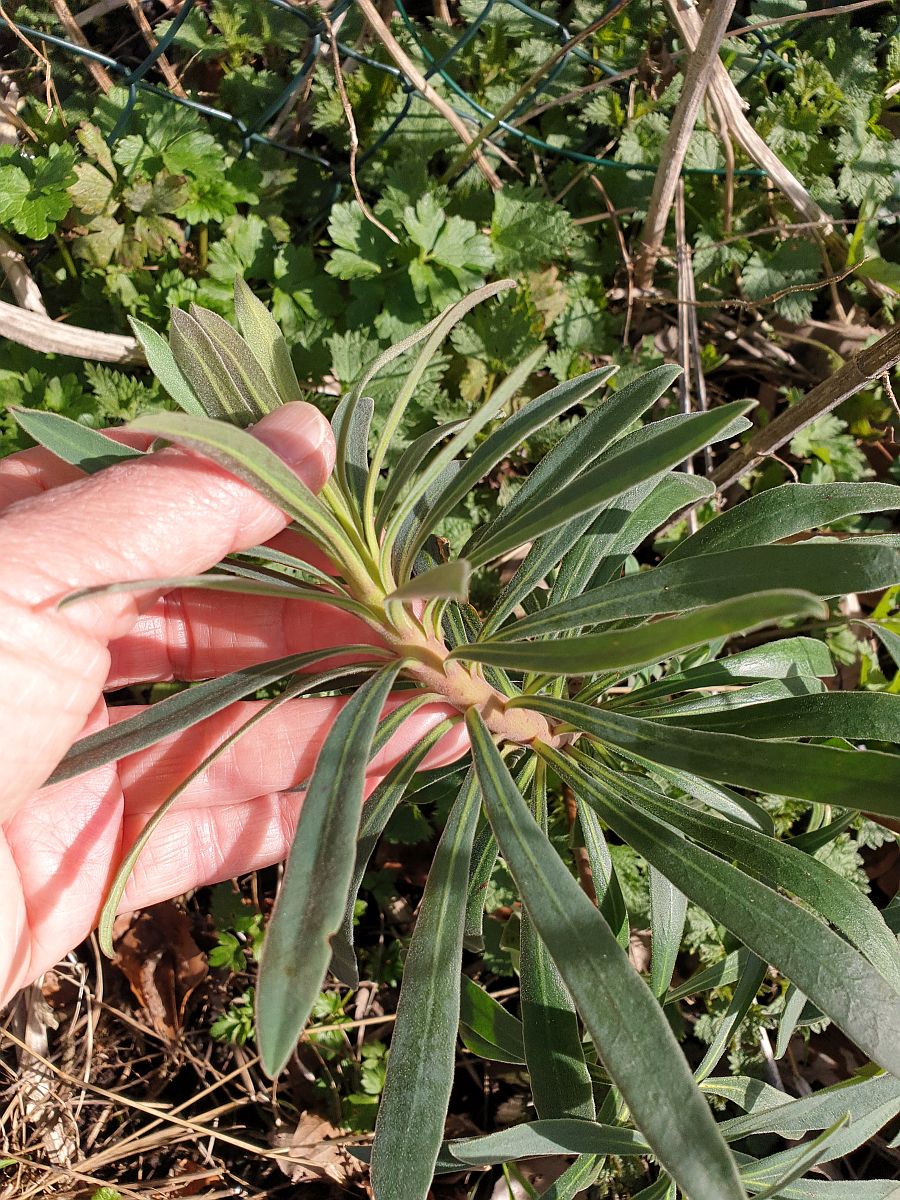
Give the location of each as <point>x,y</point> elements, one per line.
<point>625,686</point>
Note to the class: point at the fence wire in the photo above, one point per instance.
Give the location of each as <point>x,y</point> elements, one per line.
<point>316,35</point>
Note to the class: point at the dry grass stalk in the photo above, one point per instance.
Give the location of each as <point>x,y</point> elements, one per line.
<point>700,71</point>
<point>99,73</point>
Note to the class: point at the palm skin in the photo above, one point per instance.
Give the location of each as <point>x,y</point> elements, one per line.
<point>172,514</point>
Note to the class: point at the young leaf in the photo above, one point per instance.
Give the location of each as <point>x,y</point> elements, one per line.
<point>239,360</point>
<point>351,425</point>
<point>313,893</point>
<point>71,441</point>
<point>748,984</point>
<point>607,888</point>
<point>254,463</point>
<point>484,856</point>
<point>620,648</point>
<point>420,1066</point>
<point>782,1169</point>
<point>449,580</point>
<point>221,395</point>
<point>266,342</point>
<point>632,1036</point>
<point>408,465</point>
<point>161,362</point>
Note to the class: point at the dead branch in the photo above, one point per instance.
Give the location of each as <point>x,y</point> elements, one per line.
<point>26,292</point>
<point>415,76</point>
<point>100,74</point>
<point>701,67</point>
<point>39,332</point>
<point>853,376</point>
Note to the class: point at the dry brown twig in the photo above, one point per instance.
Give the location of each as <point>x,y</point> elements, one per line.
<point>166,68</point>
<point>99,73</point>
<point>26,292</point>
<point>351,127</point>
<point>38,332</point>
<point>700,71</point>
<point>415,76</point>
<point>864,368</point>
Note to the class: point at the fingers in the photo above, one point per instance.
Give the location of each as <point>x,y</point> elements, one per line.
<point>32,472</point>
<point>197,635</point>
<point>278,753</point>
<point>172,513</point>
<point>201,845</point>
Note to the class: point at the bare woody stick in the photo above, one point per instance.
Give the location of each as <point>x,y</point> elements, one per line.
<point>38,332</point>
<point>65,18</point>
<point>864,368</point>
<point>703,62</point>
<point>415,76</point>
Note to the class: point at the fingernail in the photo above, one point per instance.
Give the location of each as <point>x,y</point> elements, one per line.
<point>302,438</point>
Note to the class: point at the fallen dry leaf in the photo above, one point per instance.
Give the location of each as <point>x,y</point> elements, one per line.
<point>162,963</point>
<point>316,1153</point>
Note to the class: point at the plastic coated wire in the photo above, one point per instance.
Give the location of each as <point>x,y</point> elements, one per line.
<point>472,112</point>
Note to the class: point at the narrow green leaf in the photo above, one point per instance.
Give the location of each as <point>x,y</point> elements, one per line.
<point>377,812</point>
<point>661,450</point>
<point>584,444</point>
<point>184,709</point>
<point>351,424</point>
<point>486,1028</point>
<point>855,779</point>
<point>857,716</point>
<point>266,341</point>
<point>576,1179</point>
<point>700,704</point>
<point>824,569</point>
<point>560,1083</point>
<point>420,1066</point>
<point>117,888</point>
<point>668,910</point>
<point>241,364</point>
<point>888,638</point>
<point>432,335</point>
<point>779,1170</point>
<point>288,590</point>
<point>632,1036</point>
<point>260,467</point>
<point>313,892</point>
<point>781,512</point>
<point>722,973</point>
<point>221,395</point>
<point>863,1099</point>
<point>648,643</point>
<point>830,971</point>
<point>408,464</point>
<point>515,430</point>
<point>535,1139</point>
<point>449,580</point>
<point>161,362</point>
<point>71,441</point>
<point>444,499</point>
<point>607,888</point>
<point>830,895</point>
<point>748,984</point>
<point>484,856</point>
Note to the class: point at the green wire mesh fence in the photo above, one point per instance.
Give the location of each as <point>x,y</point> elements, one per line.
<point>508,128</point>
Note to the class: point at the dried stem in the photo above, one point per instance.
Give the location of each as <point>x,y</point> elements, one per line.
<point>351,127</point>
<point>100,74</point>
<point>702,64</point>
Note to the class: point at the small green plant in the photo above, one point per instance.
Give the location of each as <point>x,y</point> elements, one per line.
<point>623,685</point>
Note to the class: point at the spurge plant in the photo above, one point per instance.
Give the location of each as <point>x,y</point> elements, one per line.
<point>618,685</point>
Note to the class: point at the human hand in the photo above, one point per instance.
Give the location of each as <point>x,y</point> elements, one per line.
<point>170,514</point>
